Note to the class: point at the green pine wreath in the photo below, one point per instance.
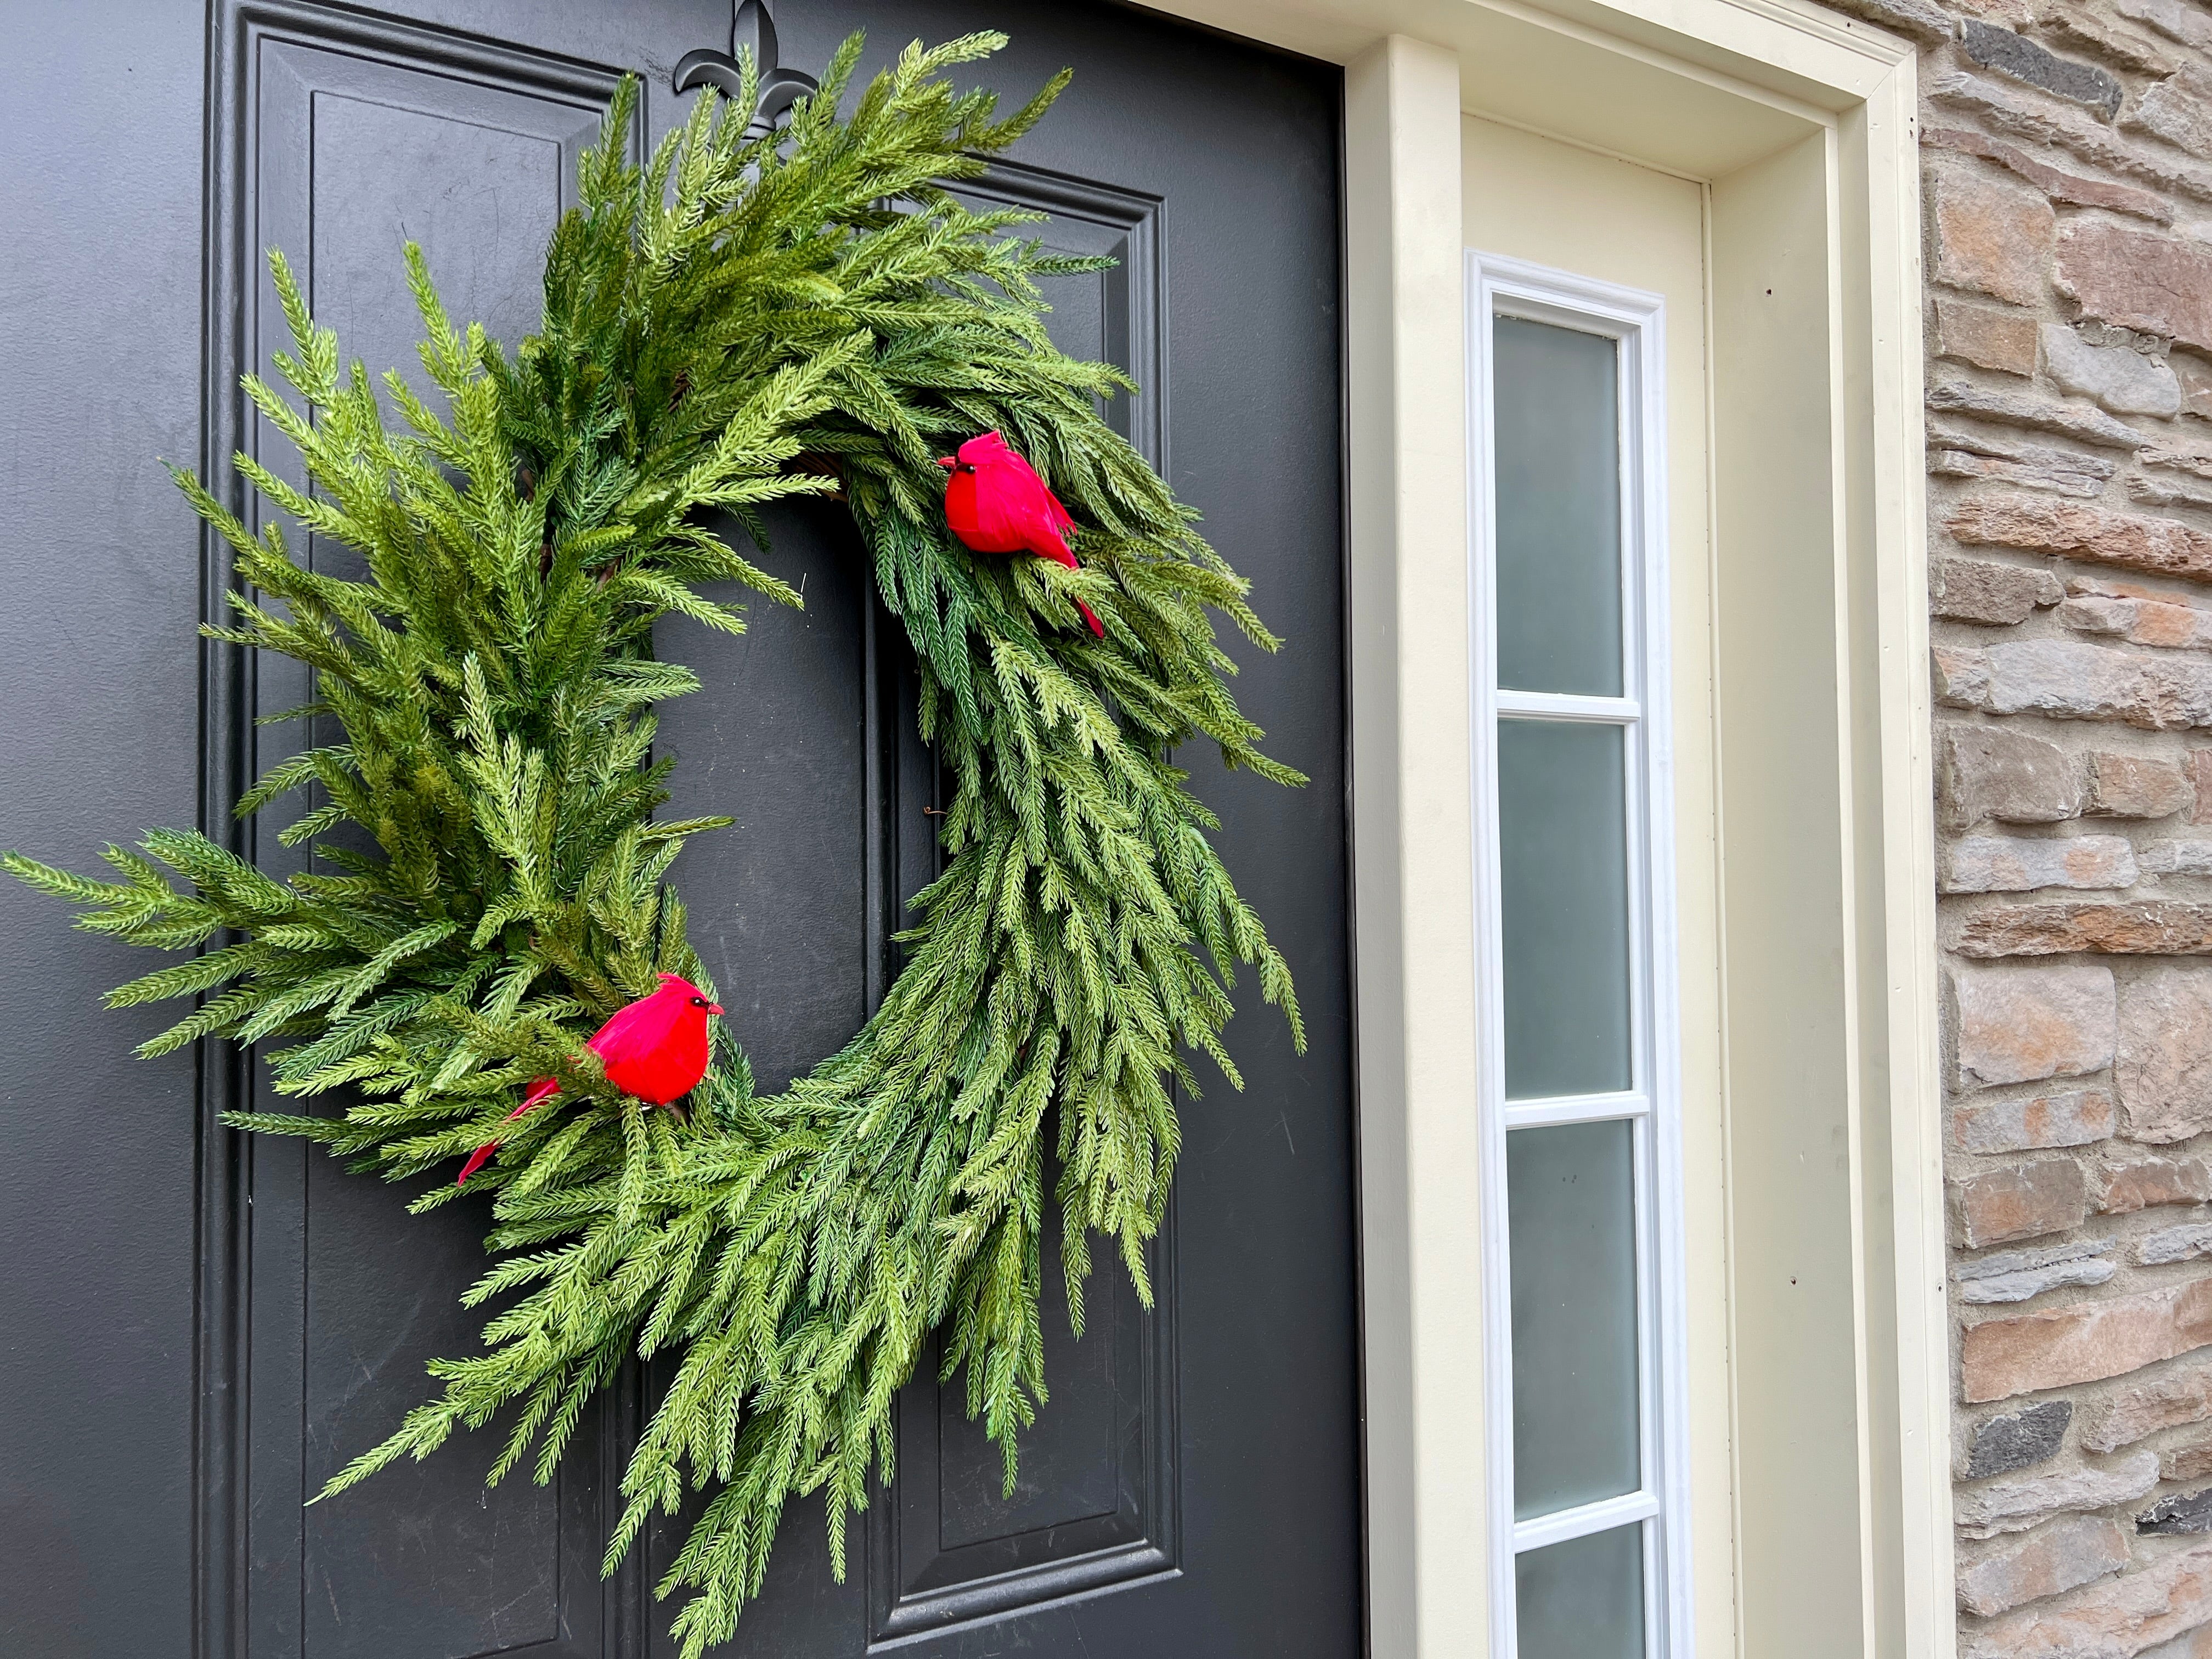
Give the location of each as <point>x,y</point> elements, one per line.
<point>739,321</point>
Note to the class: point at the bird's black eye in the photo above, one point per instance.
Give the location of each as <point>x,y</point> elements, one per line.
<point>698,1002</point>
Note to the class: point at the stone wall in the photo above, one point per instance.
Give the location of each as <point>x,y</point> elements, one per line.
<point>2067,149</point>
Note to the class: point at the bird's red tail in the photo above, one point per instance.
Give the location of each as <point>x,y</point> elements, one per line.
<point>540,1092</point>
<point>1057,551</point>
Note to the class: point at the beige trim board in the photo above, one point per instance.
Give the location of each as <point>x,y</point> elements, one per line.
<point>1702,87</point>
<point>1414,848</point>
<point>1799,125</point>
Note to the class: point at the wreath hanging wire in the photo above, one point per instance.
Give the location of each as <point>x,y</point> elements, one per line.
<point>740,320</point>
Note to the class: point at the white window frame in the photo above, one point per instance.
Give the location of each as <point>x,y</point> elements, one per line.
<point>1498,286</point>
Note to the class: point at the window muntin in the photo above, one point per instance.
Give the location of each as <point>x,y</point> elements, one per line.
<point>1578,1090</point>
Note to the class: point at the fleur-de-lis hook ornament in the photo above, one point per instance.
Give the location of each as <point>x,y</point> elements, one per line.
<point>752,29</point>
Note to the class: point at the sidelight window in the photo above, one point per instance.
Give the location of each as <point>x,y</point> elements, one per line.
<point>1578,1078</point>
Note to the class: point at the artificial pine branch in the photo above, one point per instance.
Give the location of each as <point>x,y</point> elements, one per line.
<point>739,321</point>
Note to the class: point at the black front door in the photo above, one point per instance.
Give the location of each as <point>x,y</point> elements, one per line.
<point>195,1331</point>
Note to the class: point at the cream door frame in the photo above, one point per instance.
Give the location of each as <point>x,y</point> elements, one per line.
<point>1800,124</point>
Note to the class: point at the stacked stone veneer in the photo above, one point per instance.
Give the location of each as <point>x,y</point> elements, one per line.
<point>2067,149</point>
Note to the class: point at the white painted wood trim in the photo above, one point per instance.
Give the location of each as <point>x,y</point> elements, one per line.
<point>1570,1524</point>
<point>1574,1109</point>
<point>1567,706</point>
<point>1911,1327</point>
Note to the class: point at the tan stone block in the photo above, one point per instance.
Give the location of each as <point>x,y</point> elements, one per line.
<point>2190,1461</point>
<point>2139,279</point>
<point>2144,927</point>
<point>2172,19</point>
<point>2011,407</point>
<point>2022,1025</point>
<point>1990,235</point>
<point>2072,679</point>
<point>2200,776</point>
<point>2163,1075</point>
<point>2167,492</point>
<point>2050,1561</point>
<point>2136,786</point>
<point>1976,462</point>
<point>2195,377</point>
<point>2179,110</point>
<point>2018,13</point>
<point>2178,857</point>
<point>1985,772</point>
<point>2112,1619</point>
<point>1998,595</point>
<point>2040,121</point>
<point>2129,540</point>
<point>2054,182</point>
<point>2097,34</point>
<point>2175,627</point>
<point>2027,1201</point>
<point>2033,1122</point>
<point>2176,1395</point>
<point>2140,621</point>
<point>2197,1644</point>
<point>2084,1343</point>
<point>2180,458</point>
<point>2123,1185</point>
<point>1958,679</point>
<point>2001,1276</point>
<point>2017,864</point>
<point>2099,613</point>
<point>1985,336</point>
<point>2187,1242</point>
<point>2093,583</point>
<point>1917,20</point>
<point>2124,380</point>
<point>2004,1506</point>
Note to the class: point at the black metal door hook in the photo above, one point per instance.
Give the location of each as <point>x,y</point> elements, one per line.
<point>752,29</point>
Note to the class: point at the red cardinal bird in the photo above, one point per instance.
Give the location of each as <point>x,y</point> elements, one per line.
<point>655,1048</point>
<point>996,503</point>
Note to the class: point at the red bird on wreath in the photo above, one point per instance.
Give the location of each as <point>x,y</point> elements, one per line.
<point>996,503</point>
<point>655,1048</point>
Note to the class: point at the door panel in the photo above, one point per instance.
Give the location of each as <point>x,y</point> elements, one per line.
<point>354,138</point>
<point>1191,1486</point>
<point>806,733</point>
<point>1097,1502</point>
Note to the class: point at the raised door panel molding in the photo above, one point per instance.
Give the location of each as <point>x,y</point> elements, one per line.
<point>338,138</point>
<point>1117,315</point>
<point>1097,1501</point>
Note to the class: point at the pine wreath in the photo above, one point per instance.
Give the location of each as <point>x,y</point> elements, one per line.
<point>740,320</point>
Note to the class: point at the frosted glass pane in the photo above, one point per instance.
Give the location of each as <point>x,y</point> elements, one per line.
<point>1582,1599</point>
<point>1563,845</point>
<point>1571,1201</point>
<point>1556,402</point>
